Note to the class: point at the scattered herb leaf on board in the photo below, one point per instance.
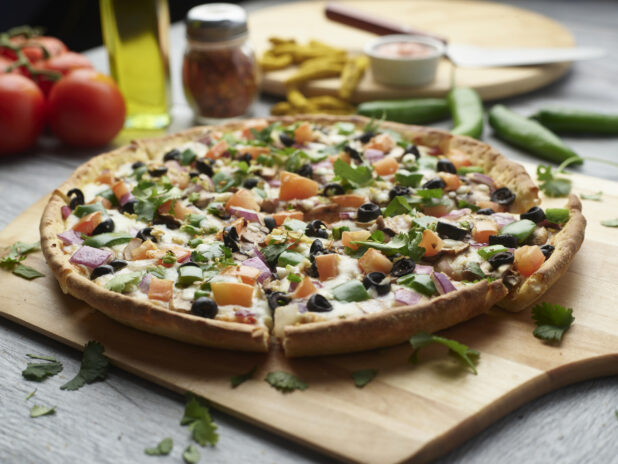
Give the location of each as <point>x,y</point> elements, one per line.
<point>551,185</point>
<point>552,321</point>
<point>191,455</point>
<point>94,367</point>
<point>197,417</point>
<point>285,381</point>
<point>45,358</point>
<point>37,410</point>
<point>31,394</point>
<point>422,339</point>
<point>39,371</point>
<point>162,449</point>
<point>610,223</point>
<point>363,376</point>
<point>27,272</point>
<point>592,196</point>
<point>17,253</point>
<point>236,380</point>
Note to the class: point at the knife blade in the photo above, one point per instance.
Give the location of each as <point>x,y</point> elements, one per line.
<point>464,55</point>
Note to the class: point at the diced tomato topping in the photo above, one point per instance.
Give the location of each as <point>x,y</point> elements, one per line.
<point>120,189</point>
<point>161,289</point>
<point>305,288</point>
<point>243,199</point>
<point>483,229</point>
<point>175,208</point>
<point>217,150</point>
<point>88,223</point>
<point>232,293</point>
<point>294,186</point>
<point>451,180</point>
<point>106,177</point>
<point>349,201</point>
<point>374,261</point>
<point>283,215</point>
<point>431,243</point>
<point>382,142</point>
<point>528,259</point>
<point>327,266</point>
<point>347,237</point>
<point>459,159</point>
<point>303,133</point>
<point>386,166</point>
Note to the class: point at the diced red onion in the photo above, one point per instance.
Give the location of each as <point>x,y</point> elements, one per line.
<point>274,182</point>
<point>475,244</point>
<point>502,219</point>
<point>407,297</point>
<point>347,214</point>
<point>457,213</point>
<point>293,286</point>
<point>91,257</point>
<point>127,197</point>
<point>257,263</point>
<point>317,283</point>
<point>258,254</point>
<point>302,307</point>
<point>248,214</point>
<point>423,269</point>
<point>322,165</point>
<point>243,313</point>
<point>206,140</point>
<point>144,284</point>
<point>482,179</point>
<point>71,237</point>
<point>373,155</point>
<point>173,164</point>
<point>66,211</point>
<point>195,187</point>
<point>442,282</point>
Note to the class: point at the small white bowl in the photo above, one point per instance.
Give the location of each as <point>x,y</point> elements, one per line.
<point>404,70</point>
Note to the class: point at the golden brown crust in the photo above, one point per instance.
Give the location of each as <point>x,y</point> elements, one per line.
<point>366,332</point>
<point>566,243</point>
<point>392,326</point>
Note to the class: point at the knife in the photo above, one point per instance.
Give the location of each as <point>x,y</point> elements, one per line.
<point>464,55</point>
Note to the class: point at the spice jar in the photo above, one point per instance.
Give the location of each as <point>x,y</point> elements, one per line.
<point>219,72</point>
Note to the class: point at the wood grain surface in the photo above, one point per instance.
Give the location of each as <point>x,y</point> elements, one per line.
<point>477,23</point>
<point>409,412</point>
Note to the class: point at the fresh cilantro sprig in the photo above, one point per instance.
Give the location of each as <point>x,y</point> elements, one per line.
<point>552,185</point>
<point>40,371</point>
<point>552,321</point>
<point>363,376</point>
<point>597,196</point>
<point>406,244</point>
<point>94,367</point>
<point>239,379</point>
<point>12,261</point>
<point>163,448</point>
<point>38,410</point>
<point>359,176</point>
<point>285,382</point>
<point>422,339</point>
<point>610,222</point>
<point>197,417</point>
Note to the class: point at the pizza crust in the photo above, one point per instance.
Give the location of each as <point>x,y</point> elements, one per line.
<point>360,333</point>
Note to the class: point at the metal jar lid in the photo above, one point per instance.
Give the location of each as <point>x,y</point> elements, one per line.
<point>216,22</point>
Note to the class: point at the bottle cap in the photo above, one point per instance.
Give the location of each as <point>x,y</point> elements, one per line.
<point>216,22</point>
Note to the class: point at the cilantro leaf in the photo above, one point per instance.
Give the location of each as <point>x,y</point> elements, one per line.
<point>236,380</point>
<point>38,410</point>
<point>551,185</point>
<point>44,358</point>
<point>122,282</point>
<point>17,253</point>
<point>398,244</point>
<point>285,382</point>
<point>359,176</point>
<point>610,223</point>
<point>592,196</point>
<point>40,371</point>
<point>197,417</point>
<point>363,377</point>
<point>162,449</point>
<point>475,269</point>
<point>27,272</point>
<point>94,367</point>
<point>422,339</point>
<point>31,394</point>
<point>272,252</point>
<point>191,455</point>
<point>398,205</point>
<point>552,321</point>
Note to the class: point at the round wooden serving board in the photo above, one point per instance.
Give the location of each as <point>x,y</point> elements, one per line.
<point>464,22</point>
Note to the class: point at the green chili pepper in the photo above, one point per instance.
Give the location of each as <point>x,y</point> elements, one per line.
<point>413,111</point>
<point>467,111</point>
<point>577,121</point>
<point>529,135</point>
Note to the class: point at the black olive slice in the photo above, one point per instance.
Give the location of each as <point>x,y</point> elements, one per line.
<point>204,167</point>
<point>166,220</point>
<point>503,196</point>
<point>332,189</point>
<point>118,264</point>
<point>413,150</point>
<point>316,228</point>
<point>129,207</point>
<point>368,212</point>
<point>193,174</point>
<point>188,264</point>
<point>446,166</point>
<point>276,299</point>
<point>172,155</point>
<point>104,227</point>
<point>137,165</point>
<point>286,139</point>
<point>146,234</point>
<point>354,154</point>
<point>246,157</point>
<point>378,281</point>
<point>317,248</point>
<point>366,137</point>
<point>535,214</point>
<point>497,260</point>
<point>485,211</point>
<point>319,304</point>
<point>547,250</point>
<point>398,191</point>
<point>507,240</point>
<point>435,183</point>
<point>101,270</point>
<point>231,238</point>
<point>250,183</point>
<point>158,171</point>
<point>270,223</point>
<point>445,229</point>
<point>78,198</point>
<point>205,307</point>
<point>306,170</point>
<point>403,267</point>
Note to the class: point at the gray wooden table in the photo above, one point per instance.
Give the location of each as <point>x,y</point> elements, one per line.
<point>113,421</point>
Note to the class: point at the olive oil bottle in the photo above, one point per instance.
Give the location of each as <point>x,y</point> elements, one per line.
<point>136,33</point>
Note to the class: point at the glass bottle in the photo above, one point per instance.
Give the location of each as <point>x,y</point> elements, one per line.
<point>136,34</point>
<point>219,72</point>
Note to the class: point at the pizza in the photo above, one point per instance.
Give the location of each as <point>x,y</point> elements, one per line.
<point>321,234</point>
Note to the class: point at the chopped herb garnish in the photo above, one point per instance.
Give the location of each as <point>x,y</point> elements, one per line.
<point>592,196</point>
<point>422,283</point>
<point>552,321</point>
<point>285,381</point>
<point>359,176</point>
<point>94,367</point>
<point>191,455</point>
<point>422,339</point>
<point>475,269</point>
<point>162,449</point>
<point>187,157</point>
<point>17,253</point>
<point>27,272</point>
<point>38,410</point>
<point>197,417</point>
<point>123,282</point>
<point>610,223</point>
<point>40,371</point>
<point>550,184</point>
<point>31,394</point>
<point>408,179</point>
<point>363,377</point>
<point>401,243</point>
<point>398,205</point>
<point>272,252</point>
<point>239,379</point>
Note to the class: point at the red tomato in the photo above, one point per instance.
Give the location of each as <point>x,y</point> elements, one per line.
<point>32,48</point>
<point>22,113</point>
<point>64,64</point>
<point>86,109</point>
<point>4,63</point>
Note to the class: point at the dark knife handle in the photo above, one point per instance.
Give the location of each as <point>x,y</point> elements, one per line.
<point>354,18</point>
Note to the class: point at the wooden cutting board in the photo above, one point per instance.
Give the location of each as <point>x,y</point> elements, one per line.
<point>478,23</point>
<point>415,412</point>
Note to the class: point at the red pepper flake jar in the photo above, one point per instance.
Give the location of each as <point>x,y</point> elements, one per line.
<point>219,72</point>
